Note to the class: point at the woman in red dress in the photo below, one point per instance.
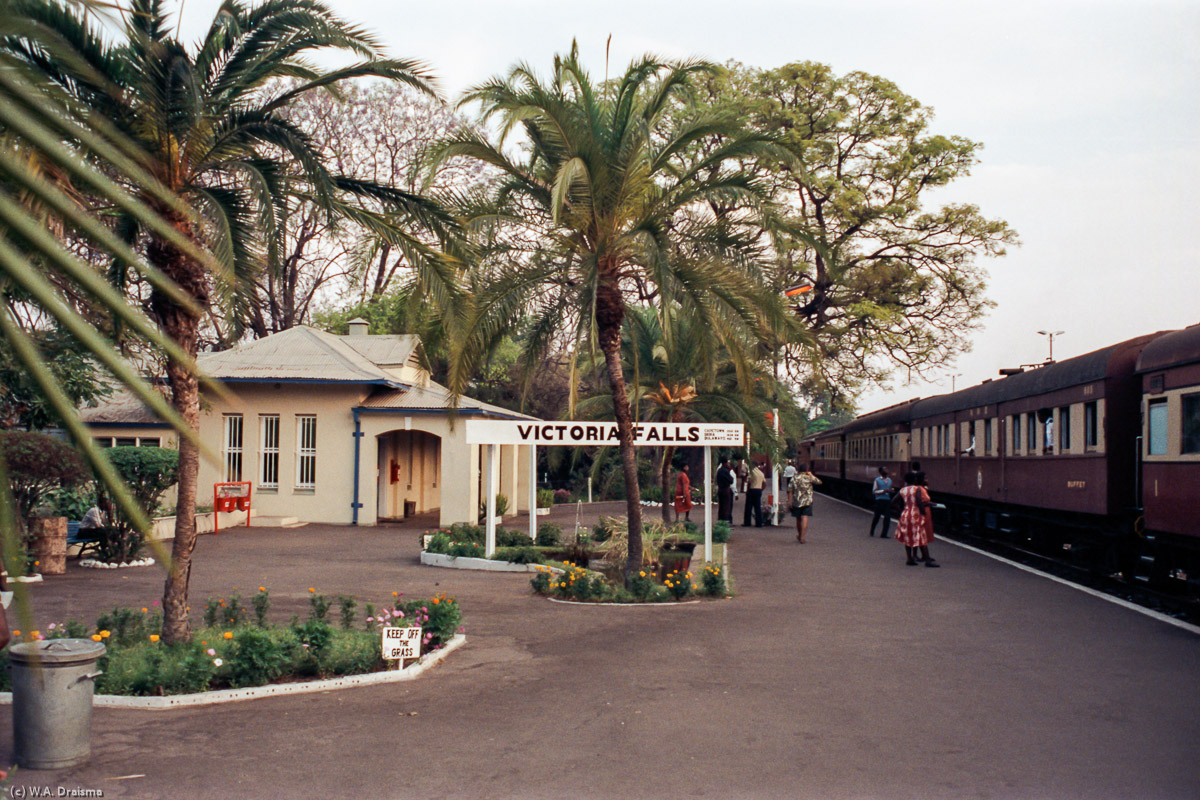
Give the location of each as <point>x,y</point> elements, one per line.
<point>915,529</point>
<point>683,494</point>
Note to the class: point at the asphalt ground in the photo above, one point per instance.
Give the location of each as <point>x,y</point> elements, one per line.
<point>835,672</point>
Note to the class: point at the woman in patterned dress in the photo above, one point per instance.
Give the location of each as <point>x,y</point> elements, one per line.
<point>801,488</point>
<point>915,528</point>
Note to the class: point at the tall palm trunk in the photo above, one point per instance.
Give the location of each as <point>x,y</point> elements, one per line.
<point>183,327</point>
<point>610,312</point>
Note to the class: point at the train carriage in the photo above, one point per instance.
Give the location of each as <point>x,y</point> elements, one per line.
<point>1169,371</point>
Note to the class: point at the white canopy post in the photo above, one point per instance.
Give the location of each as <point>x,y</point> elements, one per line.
<point>708,523</point>
<point>533,492</point>
<point>490,505</point>
<point>775,473</point>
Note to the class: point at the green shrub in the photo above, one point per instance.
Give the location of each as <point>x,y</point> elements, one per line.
<point>314,635</point>
<point>642,586</point>
<point>258,657</point>
<point>346,607</point>
<point>127,626</point>
<point>548,535</point>
<point>318,606</point>
<point>443,618</point>
<point>152,668</point>
<point>70,502</point>
<point>713,581</point>
<point>679,584</point>
<point>517,555</point>
<point>545,498</point>
<point>439,543</point>
<point>721,531</point>
<point>350,652</point>
<point>466,532</point>
<point>507,537</point>
<point>148,472</point>
<point>541,581</point>
<point>652,494</point>
<point>466,550</point>
<point>262,604</point>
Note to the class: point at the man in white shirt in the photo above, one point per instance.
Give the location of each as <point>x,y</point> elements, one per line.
<point>789,472</point>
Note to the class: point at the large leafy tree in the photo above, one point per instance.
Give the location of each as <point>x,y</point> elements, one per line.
<point>597,182</point>
<point>211,130</point>
<point>893,282</point>
<point>672,380</point>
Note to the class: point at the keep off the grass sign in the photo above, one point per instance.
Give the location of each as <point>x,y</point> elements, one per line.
<point>401,643</point>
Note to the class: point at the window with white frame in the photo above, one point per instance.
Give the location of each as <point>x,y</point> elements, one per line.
<point>1190,429</point>
<point>231,449</point>
<point>1156,423</point>
<point>306,451</point>
<point>268,451</point>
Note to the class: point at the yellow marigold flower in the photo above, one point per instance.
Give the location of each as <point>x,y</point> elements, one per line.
<point>16,633</point>
<point>34,634</point>
<point>262,588</point>
<point>105,634</point>
<point>228,634</point>
<point>311,589</point>
<point>96,637</point>
<point>145,610</point>
<point>436,601</point>
<point>154,637</point>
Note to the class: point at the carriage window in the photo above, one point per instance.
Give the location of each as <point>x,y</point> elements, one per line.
<point>1091,425</point>
<point>1191,424</point>
<point>1064,429</point>
<point>1156,423</point>
<point>1016,433</point>
<point>1031,433</point>
<point>987,437</point>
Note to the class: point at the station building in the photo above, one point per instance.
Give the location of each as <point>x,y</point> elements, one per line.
<point>334,429</point>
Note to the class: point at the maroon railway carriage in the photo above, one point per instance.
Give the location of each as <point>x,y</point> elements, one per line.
<point>1057,438</point>
<point>849,457</point>
<point>1169,369</point>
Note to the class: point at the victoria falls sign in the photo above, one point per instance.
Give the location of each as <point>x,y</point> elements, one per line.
<point>582,434</point>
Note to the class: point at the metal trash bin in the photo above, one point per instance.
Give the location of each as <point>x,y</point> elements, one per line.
<point>52,683</point>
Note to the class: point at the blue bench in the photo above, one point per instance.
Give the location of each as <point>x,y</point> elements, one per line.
<point>86,538</point>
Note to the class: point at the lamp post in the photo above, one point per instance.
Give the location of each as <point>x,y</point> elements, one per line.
<point>1051,334</point>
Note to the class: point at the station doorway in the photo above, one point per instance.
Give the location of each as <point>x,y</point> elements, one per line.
<point>410,474</point>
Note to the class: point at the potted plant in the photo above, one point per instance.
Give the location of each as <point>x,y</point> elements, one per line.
<point>545,499</point>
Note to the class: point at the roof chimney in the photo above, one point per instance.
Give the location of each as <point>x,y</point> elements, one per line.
<point>359,327</point>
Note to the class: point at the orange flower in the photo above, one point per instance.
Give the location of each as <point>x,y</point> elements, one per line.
<point>436,601</point>
<point>16,633</point>
<point>262,588</point>
<point>311,589</point>
<point>95,636</point>
<point>228,634</point>
<point>104,634</point>
<point>154,637</point>
<point>145,610</point>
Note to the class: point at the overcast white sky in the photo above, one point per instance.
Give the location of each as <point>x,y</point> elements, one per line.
<point>1089,113</point>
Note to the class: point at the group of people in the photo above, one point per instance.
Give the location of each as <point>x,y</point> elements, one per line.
<point>914,528</point>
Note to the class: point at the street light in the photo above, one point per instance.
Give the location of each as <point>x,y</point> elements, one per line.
<point>1051,334</point>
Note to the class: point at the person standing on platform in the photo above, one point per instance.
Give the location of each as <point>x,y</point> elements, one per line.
<point>725,492</point>
<point>882,492</point>
<point>800,489</point>
<point>683,494</point>
<point>914,530</point>
<point>755,481</point>
<point>789,472</point>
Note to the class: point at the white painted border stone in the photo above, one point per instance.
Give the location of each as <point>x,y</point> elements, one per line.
<point>272,690</point>
<point>466,562</point>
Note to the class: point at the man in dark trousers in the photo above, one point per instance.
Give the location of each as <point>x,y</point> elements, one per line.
<point>725,492</point>
<point>754,489</point>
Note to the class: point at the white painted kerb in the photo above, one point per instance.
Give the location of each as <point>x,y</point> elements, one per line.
<point>272,690</point>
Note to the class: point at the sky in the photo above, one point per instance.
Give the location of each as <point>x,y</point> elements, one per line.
<point>1089,113</point>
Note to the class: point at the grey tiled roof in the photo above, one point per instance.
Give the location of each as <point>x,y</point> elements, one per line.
<point>304,353</point>
<point>432,397</point>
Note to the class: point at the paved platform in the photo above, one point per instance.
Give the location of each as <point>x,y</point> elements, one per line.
<point>836,672</point>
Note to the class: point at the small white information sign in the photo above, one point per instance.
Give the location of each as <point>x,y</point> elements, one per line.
<point>401,643</point>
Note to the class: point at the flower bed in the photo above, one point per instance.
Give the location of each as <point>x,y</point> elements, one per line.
<point>588,586</point>
<point>238,647</point>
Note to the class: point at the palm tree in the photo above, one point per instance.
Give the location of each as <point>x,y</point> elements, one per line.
<point>211,130</point>
<point>674,380</point>
<point>617,215</point>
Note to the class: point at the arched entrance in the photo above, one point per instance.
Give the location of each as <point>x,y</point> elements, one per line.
<point>410,473</point>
